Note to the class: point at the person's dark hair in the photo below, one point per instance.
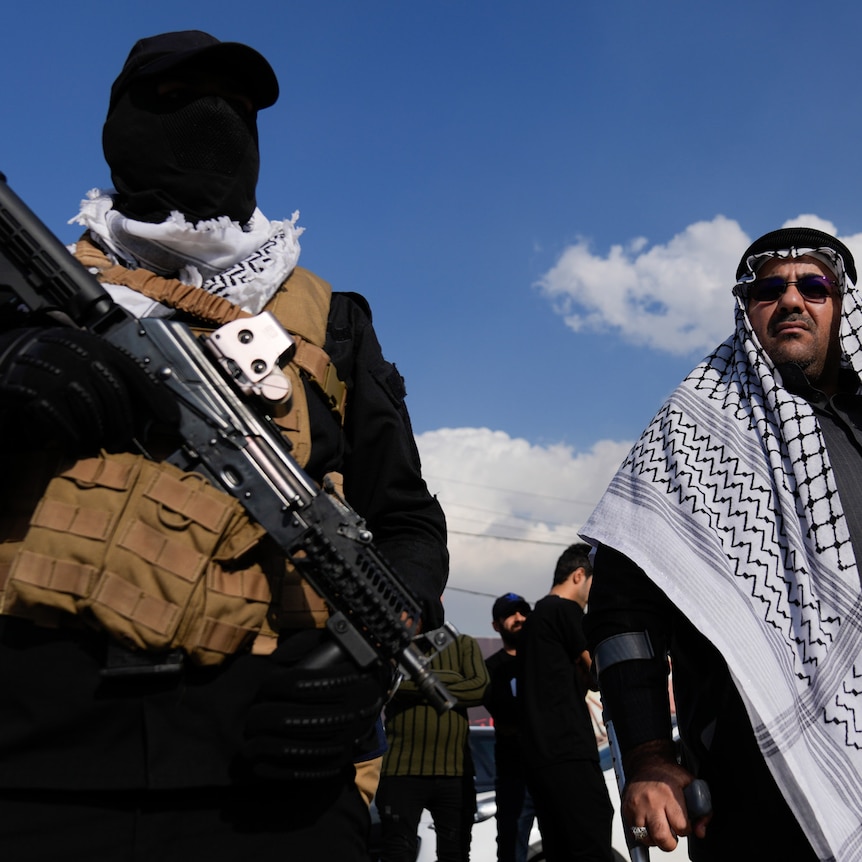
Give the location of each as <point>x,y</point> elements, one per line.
<point>576,556</point>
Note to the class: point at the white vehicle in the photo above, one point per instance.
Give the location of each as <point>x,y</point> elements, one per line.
<point>484,845</point>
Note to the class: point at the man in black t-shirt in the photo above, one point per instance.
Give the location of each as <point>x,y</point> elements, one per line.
<point>514,805</point>
<point>559,744</point>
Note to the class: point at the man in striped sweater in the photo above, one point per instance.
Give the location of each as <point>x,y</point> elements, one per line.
<point>428,764</point>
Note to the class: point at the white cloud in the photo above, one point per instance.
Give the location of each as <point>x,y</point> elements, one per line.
<point>673,297</point>
<point>534,499</point>
<point>513,507</point>
<point>853,242</point>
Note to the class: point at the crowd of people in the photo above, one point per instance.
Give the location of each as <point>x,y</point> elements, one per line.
<point>162,695</point>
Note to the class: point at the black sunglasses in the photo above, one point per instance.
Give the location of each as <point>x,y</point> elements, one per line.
<point>812,288</point>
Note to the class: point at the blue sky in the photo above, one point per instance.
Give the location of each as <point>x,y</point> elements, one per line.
<point>544,204</point>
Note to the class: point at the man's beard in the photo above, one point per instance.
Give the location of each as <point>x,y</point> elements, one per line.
<point>511,640</point>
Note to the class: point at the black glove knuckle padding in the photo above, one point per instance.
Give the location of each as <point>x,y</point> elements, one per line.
<point>305,723</point>
<point>71,387</point>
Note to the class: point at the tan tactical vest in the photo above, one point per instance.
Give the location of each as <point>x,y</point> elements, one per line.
<point>159,558</point>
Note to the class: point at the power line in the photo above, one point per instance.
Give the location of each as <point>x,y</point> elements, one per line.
<point>495,523</point>
<point>510,539</point>
<point>449,589</point>
<point>512,491</point>
<point>531,521</point>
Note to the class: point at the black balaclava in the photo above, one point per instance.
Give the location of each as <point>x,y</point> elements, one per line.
<point>197,154</point>
<point>199,157</point>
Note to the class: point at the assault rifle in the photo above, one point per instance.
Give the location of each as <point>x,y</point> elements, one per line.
<point>220,383</point>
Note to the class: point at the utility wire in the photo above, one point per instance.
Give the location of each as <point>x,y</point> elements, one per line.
<point>512,516</point>
<point>531,522</point>
<point>511,490</point>
<point>470,592</point>
<point>510,539</point>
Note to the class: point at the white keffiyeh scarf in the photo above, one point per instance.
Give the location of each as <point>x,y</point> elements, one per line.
<point>244,266</point>
<point>729,505</point>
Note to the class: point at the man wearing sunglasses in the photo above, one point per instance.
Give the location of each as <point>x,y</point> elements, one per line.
<point>728,541</point>
<point>794,307</point>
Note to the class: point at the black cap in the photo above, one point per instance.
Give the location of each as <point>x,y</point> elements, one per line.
<point>797,237</point>
<point>509,604</point>
<point>155,54</point>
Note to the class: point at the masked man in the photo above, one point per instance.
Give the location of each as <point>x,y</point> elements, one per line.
<point>149,632</point>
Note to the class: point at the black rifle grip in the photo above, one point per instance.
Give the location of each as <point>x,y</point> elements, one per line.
<point>698,799</point>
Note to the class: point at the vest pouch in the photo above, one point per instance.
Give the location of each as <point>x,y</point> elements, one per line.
<point>236,601</point>
<point>146,552</point>
<point>57,562</point>
<point>293,419</point>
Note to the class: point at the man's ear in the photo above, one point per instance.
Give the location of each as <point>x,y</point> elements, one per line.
<point>578,575</point>
<point>496,625</point>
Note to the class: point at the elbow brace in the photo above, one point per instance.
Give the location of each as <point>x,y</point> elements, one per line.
<point>633,682</point>
<point>629,646</point>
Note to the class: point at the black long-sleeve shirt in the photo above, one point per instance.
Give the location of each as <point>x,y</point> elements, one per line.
<point>423,741</point>
<point>718,743</point>
<point>623,599</point>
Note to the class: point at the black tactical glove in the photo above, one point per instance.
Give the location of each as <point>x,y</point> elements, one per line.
<point>71,388</point>
<point>305,724</point>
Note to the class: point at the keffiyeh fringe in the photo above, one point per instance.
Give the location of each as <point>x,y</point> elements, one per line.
<point>246,266</point>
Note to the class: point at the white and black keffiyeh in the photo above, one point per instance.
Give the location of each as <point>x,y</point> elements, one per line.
<point>729,504</point>
<point>243,265</point>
